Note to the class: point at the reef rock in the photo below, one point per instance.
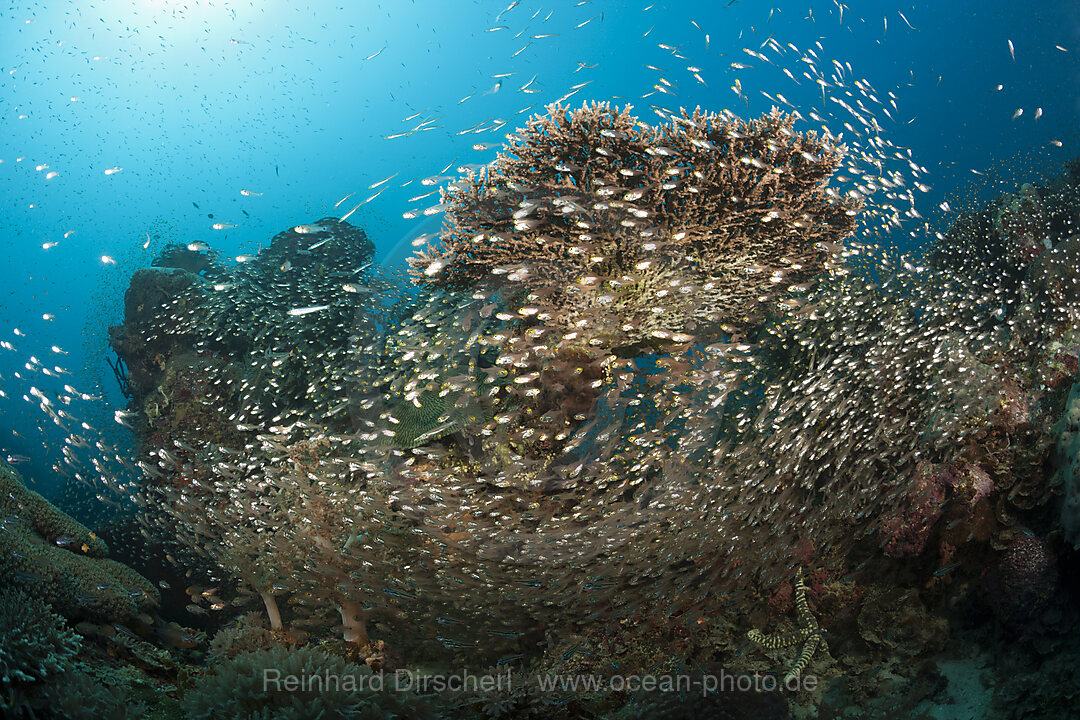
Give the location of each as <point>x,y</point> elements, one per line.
<point>1055,272</point>
<point>140,342</point>
<point>341,246</point>
<point>195,258</point>
<point>1068,463</point>
<point>1021,221</point>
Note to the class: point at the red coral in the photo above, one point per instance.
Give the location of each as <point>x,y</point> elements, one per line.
<point>782,601</point>
<point>906,532</point>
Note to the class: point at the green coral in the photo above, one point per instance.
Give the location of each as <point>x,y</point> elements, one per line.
<point>430,417</point>
<point>61,561</point>
<point>237,690</point>
<point>74,695</point>
<point>36,642</point>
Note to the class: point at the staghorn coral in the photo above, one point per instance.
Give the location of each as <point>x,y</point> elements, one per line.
<point>595,220</point>
<point>62,562</point>
<point>35,642</point>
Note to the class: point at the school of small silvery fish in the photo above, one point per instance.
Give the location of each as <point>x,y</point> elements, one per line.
<point>640,366</point>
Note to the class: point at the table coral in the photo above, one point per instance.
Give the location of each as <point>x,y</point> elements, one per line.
<point>633,233</point>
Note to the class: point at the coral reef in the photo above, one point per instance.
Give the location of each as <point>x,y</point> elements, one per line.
<point>1031,688</point>
<point>628,232</point>
<point>35,642</point>
<point>195,258</point>
<point>248,634</point>
<point>1015,230</point>
<point>1022,223</point>
<point>600,452</point>
<point>62,562</point>
<point>907,532</point>
<point>901,625</point>
<point>1028,575</point>
<point>78,695</point>
<point>332,688</point>
<point>1068,461</point>
<point>141,347</point>
<point>47,670</point>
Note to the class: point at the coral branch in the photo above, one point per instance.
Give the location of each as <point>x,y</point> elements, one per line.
<point>353,618</point>
<point>271,609</point>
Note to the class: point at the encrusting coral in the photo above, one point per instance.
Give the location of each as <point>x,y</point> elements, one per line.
<point>62,562</point>
<point>593,219</point>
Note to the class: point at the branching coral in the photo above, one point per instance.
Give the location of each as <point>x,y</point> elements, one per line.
<point>35,642</point>
<point>593,219</point>
<point>267,684</point>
